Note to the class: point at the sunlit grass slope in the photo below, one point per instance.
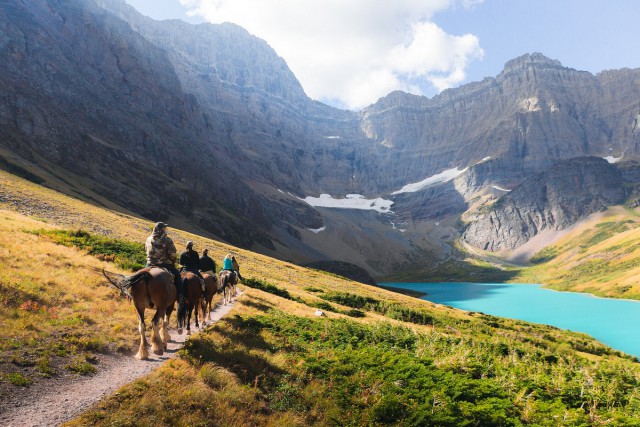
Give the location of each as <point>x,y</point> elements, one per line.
<point>376,358</point>
<point>600,256</point>
<point>55,312</point>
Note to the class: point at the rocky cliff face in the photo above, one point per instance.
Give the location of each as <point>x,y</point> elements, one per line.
<point>552,200</point>
<point>85,93</point>
<point>534,114</point>
<point>207,124</point>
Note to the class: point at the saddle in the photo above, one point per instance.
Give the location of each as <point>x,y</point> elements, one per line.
<point>198,275</point>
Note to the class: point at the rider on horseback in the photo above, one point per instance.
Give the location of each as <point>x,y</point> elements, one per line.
<point>161,252</point>
<point>229,263</point>
<point>190,261</point>
<point>206,264</point>
<point>236,267</point>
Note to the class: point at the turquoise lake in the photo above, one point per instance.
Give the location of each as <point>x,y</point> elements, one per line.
<point>611,321</point>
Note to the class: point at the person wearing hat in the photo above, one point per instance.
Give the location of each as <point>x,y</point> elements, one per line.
<point>190,261</point>
<point>161,252</point>
<point>207,265</point>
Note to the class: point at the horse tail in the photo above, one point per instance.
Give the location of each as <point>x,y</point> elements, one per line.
<point>224,282</point>
<point>138,277</point>
<point>182,314</point>
<point>124,283</point>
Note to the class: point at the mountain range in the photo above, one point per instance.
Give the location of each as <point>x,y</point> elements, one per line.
<point>205,127</point>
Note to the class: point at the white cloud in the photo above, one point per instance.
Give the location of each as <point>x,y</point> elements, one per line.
<point>355,51</point>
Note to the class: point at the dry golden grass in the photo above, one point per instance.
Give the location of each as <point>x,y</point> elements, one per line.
<point>57,311</point>
<point>601,256</point>
<point>56,308</point>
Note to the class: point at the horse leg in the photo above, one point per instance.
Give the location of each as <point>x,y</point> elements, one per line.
<point>207,308</point>
<point>165,326</point>
<point>203,311</point>
<point>156,339</point>
<point>195,313</point>
<point>189,310</point>
<point>143,353</point>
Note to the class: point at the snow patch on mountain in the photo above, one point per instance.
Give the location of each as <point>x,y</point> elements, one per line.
<point>351,201</point>
<point>439,178</point>
<point>612,159</point>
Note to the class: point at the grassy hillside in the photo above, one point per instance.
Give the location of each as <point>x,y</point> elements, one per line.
<point>376,358</point>
<point>600,256</point>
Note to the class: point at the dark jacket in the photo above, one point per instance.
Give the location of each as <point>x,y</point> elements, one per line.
<point>189,260</point>
<point>207,264</point>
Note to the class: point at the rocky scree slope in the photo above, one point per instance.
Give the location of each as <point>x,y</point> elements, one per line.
<point>552,200</point>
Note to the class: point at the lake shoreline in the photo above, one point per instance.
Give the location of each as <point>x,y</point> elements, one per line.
<point>609,320</point>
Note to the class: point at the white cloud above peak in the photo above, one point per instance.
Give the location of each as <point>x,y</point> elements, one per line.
<point>353,52</point>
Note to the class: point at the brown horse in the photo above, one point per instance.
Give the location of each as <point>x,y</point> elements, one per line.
<point>211,284</point>
<point>150,287</point>
<point>193,298</point>
<point>228,280</point>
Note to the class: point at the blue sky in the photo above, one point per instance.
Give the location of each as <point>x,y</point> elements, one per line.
<point>350,53</point>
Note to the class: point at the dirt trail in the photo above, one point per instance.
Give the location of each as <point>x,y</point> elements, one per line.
<point>62,399</point>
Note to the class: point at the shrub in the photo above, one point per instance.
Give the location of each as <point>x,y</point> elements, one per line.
<point>354,312</point>
<point>392,310</point>
<point>323,305</point>
<point>126,255</point>
<point>267,287</point>
<point>351,300</point>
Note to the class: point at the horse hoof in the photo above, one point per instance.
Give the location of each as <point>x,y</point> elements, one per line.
<point>179,331</point>
<point>188,333</point>
<point>158,352</point>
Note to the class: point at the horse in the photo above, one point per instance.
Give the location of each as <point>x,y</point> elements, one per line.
<point>211,285</point>
<point>228,280</point>
<point>193,298</point>
<point>150,287</point>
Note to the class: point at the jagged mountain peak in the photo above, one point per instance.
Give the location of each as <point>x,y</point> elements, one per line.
<point>527,60</point>
<point>513,67</point>
<point>223,51</point>
<point>206,122</point>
